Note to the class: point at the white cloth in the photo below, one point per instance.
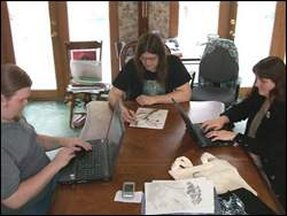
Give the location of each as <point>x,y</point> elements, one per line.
<point>224,176</point>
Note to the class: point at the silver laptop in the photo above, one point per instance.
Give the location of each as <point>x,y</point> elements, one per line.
<point>196,132</point>
<point>86,70</point>
<point>99,163</point>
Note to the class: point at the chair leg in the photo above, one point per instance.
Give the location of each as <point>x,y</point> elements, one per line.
<point>88,98</point>
<point>72,109</point>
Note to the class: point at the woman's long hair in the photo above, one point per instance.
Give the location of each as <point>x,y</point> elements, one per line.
<point>273,68</point>
<point>152,43</point>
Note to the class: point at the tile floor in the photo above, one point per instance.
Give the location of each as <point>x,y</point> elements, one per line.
<point>50,118</point>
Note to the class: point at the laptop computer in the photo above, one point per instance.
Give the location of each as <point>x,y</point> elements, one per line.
<point>99,163</point>
<point>89,71</point>
<point>196,132</point>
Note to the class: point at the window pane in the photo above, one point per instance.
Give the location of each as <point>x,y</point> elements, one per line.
<point>196,21</point>
<point>253,36</point>
<point>30,27</point>
<point>90,21</point>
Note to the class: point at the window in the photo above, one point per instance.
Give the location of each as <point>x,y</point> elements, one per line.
<point>253,34</point>
<point>196,21</point>
<point>30,27</point>
<point>90,21</point>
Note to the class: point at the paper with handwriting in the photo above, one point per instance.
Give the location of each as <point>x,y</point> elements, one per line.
<point>152,118</point>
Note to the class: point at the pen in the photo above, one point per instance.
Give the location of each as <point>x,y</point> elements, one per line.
<point>149,114</point>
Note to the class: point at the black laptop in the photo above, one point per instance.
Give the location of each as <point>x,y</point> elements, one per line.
<point>197,132</point>
<point>99,163</point>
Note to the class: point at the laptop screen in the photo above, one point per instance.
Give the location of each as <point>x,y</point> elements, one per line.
<point>86,69</point>
<point>116,129</point>
<point>186,119</point>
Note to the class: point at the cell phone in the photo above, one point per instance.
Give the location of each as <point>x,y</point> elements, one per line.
<point>128,190</point>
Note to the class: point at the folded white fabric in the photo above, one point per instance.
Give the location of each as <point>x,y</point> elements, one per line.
<point>181,162</point>
<point>224,175</point>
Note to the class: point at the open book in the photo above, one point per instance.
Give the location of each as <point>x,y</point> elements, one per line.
<point>189,196</point>
<point>152,118</point>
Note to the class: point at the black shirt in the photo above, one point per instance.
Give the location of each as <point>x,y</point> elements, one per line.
<point>129,82</point>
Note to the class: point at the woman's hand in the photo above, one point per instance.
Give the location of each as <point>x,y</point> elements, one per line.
<point>127,114</point>
<point>145,100</point>
<point>221,135</point>
<point>214,124</point>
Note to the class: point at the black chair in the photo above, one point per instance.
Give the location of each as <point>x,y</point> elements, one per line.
<point>187,62</point>
<point>218,78</point>
<point>127,52</point>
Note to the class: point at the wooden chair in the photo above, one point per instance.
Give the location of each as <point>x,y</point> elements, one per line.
<point>84,68</point>
<point>127,52</point>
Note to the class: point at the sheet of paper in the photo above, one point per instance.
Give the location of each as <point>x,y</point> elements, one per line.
<point>152,118</point>
<point>181,196</point>
<point>136,199</point>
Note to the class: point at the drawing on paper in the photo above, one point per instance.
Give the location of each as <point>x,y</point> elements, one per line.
<point>152,118</point>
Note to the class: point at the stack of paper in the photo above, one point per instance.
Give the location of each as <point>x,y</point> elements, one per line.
<point>96,88</point>
<point>189,196</point>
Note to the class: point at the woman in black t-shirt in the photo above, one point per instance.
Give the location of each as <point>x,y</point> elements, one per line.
<point>151,77</point>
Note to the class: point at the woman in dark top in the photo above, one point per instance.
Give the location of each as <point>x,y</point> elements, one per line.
<point>151,77</point>
<point>265,134</point>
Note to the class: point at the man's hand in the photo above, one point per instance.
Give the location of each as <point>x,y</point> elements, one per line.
<point>64,156</point>
<point>74,142</point>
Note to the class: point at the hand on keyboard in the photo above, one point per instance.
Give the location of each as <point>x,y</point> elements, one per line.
<point>80,153</point>
<point>215,124</point>
<point>220,135</point>
<point>206,131</point>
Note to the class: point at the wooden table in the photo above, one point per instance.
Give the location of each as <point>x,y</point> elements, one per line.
<point>146,155</point>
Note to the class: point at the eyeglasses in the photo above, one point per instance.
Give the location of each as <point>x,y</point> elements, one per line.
<point>154,58</point>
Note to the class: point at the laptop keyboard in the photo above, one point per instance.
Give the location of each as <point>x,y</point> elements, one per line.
<point>93,164</point>
<point>203,141</point>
